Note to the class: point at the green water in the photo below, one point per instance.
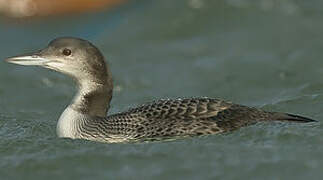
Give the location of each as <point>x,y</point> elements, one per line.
<point>262,53</point>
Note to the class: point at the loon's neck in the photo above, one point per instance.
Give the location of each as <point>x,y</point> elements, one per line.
<point>93,96</point>
<point>91,101</point>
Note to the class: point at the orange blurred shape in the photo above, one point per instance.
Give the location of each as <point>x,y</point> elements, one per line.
<point>28,8</point>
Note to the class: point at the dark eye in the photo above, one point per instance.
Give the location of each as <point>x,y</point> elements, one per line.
<point>67,52</point>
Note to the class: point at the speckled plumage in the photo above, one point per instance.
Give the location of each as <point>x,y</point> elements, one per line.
<point>163,119</point>
<point>173,118</point>
<point>85,117</point>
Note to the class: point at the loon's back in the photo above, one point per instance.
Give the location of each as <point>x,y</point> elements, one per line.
<point>173,118</point>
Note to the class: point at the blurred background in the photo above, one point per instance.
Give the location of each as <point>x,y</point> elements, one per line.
<point>262,53</point>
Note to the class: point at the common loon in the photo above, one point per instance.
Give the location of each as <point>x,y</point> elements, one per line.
<point>85,117</point>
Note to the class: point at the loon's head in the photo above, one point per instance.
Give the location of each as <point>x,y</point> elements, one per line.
<point>72,56</point>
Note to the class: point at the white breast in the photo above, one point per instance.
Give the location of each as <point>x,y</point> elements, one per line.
<point>69,123</point>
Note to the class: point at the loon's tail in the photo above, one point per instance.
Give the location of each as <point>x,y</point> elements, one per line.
<point>291,117</point>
